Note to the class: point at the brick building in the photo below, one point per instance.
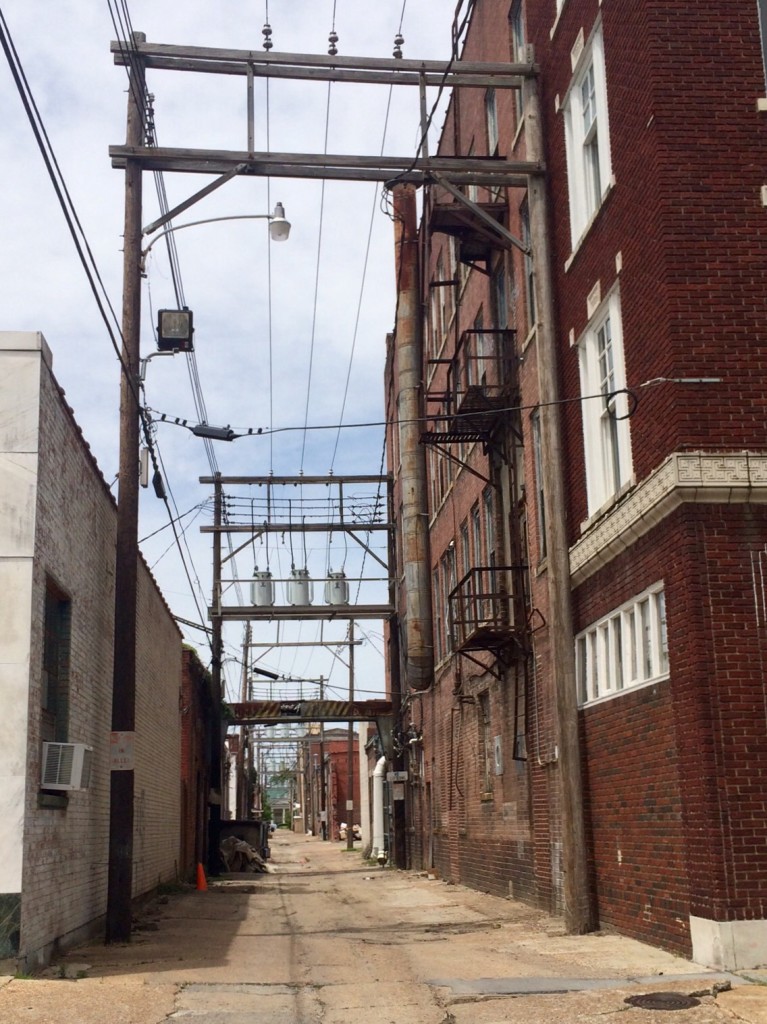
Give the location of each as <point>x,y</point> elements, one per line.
<point>594,729</point>
<point>57,552</point>
<point>198,717</point>
<point>333,751</point>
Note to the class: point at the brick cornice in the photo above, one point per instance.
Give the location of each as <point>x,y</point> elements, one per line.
<point>699,477</point>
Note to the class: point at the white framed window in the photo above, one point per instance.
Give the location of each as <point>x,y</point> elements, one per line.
<point>485,752</point>
<point>605,405</point>
<point>762,8</point>
<point>587,137</point>
<point>540,501</point>
<point>439,643</point>
<point>517,27</point>
<point>448,582</point>
<point>529,266</point>
<point>626,649</point>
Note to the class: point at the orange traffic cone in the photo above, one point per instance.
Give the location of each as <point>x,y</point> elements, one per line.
<point>202,885</point>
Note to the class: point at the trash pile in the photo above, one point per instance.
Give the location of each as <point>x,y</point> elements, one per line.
<point>240,856</point>
<point>343,832</point>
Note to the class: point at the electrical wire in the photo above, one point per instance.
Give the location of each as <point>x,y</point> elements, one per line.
<point>245,432</point>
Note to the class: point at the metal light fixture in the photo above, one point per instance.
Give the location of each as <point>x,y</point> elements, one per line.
<point>279,228</point>
<point>175,330</point>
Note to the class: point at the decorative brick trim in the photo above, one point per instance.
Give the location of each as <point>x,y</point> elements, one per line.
<point>699,477</point>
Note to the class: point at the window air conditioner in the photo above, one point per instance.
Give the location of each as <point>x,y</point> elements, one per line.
<point>66,766</point>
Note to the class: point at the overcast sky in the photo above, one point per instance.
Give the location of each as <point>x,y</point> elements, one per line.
<point>329,297</point>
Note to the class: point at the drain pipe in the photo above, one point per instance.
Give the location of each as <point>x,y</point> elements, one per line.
<point>419,643</point>
<point>378,851</point>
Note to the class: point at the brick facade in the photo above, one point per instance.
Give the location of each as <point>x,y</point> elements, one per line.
<point>69,516</point>
<point>196,716</point>
<point>673,769</point>
<point>335,749</point>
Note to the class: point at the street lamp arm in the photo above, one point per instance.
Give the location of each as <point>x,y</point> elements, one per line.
<point>279,227</point>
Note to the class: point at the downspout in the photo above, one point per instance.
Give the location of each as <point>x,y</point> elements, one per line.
<point>419,644</point>
<point>378,851</point>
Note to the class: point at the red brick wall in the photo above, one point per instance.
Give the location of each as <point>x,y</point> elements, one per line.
<point>196,713</point>
<point>688,155</point>
<point>673,769</point>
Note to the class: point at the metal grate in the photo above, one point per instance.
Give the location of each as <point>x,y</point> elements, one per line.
<point>662,1001</point>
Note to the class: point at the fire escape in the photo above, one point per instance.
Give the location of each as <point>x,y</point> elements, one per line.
<point>476,394</point>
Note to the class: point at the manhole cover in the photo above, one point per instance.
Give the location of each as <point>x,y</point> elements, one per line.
<point>662,1001</point>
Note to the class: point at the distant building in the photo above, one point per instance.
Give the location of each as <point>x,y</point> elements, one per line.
<point>332,752</point>
<point>198,718</point>
<point>57,556</point>
<point>603,496</point>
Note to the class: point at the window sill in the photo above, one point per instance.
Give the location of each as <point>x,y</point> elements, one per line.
<point>608,505</point>
<point>589,225</point>
<point>532,335</point>
<point>486,798</point>
<point>631,688</point>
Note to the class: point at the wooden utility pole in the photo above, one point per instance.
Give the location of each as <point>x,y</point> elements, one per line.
<point>323,794</point>
<point>350,752</point>
<point>577,912</point>
<point>243,780</point>
<point>121,788</point>
<point>216,795</point>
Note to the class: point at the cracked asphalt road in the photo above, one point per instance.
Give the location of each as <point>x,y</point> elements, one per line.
<point>327,939</point>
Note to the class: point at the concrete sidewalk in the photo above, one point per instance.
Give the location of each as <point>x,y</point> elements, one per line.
<point>328,938</point>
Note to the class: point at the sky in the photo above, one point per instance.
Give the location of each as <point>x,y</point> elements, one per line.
<point>289,337</point>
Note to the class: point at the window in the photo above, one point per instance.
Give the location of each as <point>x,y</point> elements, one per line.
<point>517,27</point>
<point>607,439</point>
<point>465,553</point>
<point>489,513</point>
<point>500,304</point>
<point>529,267</point>
<point>476,535</point>
<point>762,6</point>
<point>539,493</point>
<point>472,191</point>
<point>475,369</point>
<point>587,137</point>
<point>626,649</point>
<point>437,595</point>
<point>448,585</point>
<point>485,750</point>
<point>54,696</point>
<point>438,309</point>
<point>491,119</point>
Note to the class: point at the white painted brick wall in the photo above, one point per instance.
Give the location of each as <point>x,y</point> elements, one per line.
<point>66,851</point>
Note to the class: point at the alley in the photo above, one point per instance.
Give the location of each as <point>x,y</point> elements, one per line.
<point>327,938</point>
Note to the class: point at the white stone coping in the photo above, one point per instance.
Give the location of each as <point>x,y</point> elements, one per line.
<point>699,477</point>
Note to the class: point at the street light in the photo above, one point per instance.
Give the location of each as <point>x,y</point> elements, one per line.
<point>279,227</point>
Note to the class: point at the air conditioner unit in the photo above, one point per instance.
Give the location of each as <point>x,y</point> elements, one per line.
<point>66,766</point>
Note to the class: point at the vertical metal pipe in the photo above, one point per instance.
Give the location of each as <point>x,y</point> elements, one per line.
<point>419,649</point>
<point>578,913</point>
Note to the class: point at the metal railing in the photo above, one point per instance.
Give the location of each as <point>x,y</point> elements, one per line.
<point>487,607</point>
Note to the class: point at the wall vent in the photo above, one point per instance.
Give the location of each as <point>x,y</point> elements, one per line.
<point>66,766</point>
